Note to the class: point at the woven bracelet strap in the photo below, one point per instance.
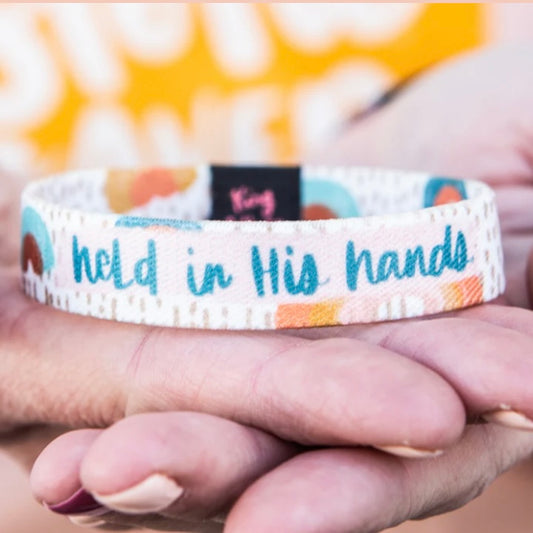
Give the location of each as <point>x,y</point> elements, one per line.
<point>284,247</point>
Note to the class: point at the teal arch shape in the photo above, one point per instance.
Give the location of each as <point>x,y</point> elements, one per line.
<point>435,184</point>
<point>33,224</point>
<point>129,221</point>
<point>330,194</point>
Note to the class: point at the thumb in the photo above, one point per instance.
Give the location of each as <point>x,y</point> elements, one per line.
<point>372,491</point>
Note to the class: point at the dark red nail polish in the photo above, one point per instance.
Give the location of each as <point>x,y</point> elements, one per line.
<point>79,503</point>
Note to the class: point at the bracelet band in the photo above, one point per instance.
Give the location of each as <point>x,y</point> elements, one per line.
<point>373,245</point>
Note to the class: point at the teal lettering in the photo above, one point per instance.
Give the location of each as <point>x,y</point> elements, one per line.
<point>108,266</point>
<point>259,271</point>
<point>388,265</point>
<point>102,260</point>
<point>213,275</point>
<point>412,258</point>
<point>146,269</point>
<point>308,281</point>
<point>116,268</point>
<point>295,281</point>
<point>353,265</point>
<point>81,262</point>
<point>460,257</point>
<point>444,251</point>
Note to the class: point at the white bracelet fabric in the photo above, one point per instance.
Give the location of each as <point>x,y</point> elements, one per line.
<point>138,246</point>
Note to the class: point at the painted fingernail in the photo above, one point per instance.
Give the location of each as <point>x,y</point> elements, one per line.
<point>505,416</point>
<point>81,502</point>
<point>410,452</point>
<point>153,494</point>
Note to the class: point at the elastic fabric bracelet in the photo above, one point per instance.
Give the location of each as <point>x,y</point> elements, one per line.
<point>229,247</point>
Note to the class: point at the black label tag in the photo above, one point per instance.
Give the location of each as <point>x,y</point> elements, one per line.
<point>255,193</point>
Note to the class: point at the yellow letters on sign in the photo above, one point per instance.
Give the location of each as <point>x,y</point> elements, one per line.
<point>142,84</point>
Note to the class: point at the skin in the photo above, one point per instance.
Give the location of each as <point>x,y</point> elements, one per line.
<point>245,431</point>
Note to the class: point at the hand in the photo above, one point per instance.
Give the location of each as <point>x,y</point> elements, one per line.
<point>291,495</point>
<point>61,371</point>
<point>481,352</point>
<point>472,118</point>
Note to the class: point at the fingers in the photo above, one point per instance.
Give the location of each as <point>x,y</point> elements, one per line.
<point>489,365</point>
<point>55,479</point>
<point>178,464</point>
<point>362,491</point>
<point>326,491</point>
<point>188,466</point>
<point>514,318</point>
<point>55,475</point>
<point>81,371</point>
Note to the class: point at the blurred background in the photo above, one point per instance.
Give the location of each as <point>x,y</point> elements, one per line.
<point>143,84</point>
<point>129,84</point>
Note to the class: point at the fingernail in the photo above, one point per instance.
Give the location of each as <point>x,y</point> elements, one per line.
<point>505,416</point>
<point>81,502</point>
<point>219,518</point>
<point>84,520</point>
<point>410,452</point>
<point>153,494</point>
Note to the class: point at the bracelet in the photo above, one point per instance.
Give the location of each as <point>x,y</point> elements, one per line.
<point>285,247</point>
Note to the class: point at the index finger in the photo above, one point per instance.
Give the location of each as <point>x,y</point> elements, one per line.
<point>78,371</point>
<point>483,352</point>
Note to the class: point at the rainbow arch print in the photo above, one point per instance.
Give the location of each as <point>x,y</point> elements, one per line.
<point>127,189</point>
<point>440,191</point>
<point>36,246</point>
<point>327,199</point>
